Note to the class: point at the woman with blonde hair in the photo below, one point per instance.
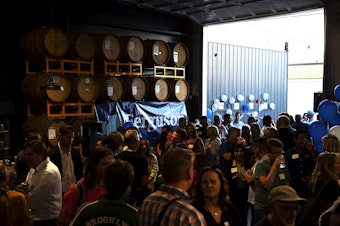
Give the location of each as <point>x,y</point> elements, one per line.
<point>325,177</point>
<point>212,145</point>
<point>330,143</point>
<point>323,186</point>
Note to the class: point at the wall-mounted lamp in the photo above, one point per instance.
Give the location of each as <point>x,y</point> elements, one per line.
<point>51,85</point>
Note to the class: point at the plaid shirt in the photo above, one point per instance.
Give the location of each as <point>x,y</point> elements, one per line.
<point>181,212</point>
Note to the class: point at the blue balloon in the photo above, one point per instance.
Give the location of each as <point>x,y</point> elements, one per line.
<point>318,146</point>
<point>327,110</point>
<point>317,130</point>
<point>337,91</point>
<point>246,107</point>
<point>209,113</point>
<point>335,120</point>
<point>128,124</point>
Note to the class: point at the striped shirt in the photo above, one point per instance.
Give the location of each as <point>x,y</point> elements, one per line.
<point>181,212</point>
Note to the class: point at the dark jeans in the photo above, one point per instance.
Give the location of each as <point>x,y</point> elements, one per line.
<point>252,213</point>
<point>259,214</point>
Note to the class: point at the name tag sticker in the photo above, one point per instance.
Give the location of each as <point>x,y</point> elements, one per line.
<point>295,156</point>
<point>282,176</point>
<point>233,170</point>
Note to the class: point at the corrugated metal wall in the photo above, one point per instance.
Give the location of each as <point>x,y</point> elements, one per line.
<point>236,70</point>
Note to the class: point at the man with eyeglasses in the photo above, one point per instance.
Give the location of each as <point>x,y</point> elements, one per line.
<point>284,206</point>
<point>269,174</point>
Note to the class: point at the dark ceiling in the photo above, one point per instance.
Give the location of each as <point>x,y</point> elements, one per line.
<point>204,12</point>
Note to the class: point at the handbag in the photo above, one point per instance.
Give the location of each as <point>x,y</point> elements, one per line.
<point>312,209</point>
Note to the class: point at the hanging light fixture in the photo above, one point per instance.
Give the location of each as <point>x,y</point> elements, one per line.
<point>51,85</point>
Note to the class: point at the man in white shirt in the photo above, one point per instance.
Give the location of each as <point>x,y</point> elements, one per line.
<point>44,184</point>
<point>67,158</point>
<point>237,121</point>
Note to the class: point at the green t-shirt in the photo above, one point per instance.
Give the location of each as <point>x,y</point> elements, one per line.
<point>106,211</point>
<point>282,177</point>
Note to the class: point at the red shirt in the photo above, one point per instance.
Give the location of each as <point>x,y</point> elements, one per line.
<point>71,197</point>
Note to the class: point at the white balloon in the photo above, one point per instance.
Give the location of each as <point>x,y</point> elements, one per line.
<point>265,96</point>
<point>214,107</point>
<point>224,98</point>
<point>232,100</point>
<point>335,130</point>
<point>261,107</point>
<point>216,101</point>
<point>251,97</point>
<point>272,106</point>
<point>229,111</point>
<point>240,97</point>
<point>255,114</point>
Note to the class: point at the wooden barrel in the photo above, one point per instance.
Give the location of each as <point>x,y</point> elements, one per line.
<point>179,90</point>
<point>41,42</point>
<point>30,88</point>
<point>82,46</point>
<point>111,88</point>
<point>109,47</point>
<point>133,49</point>
<point>179,55</point>
<point>136,88</point>
<point>158,89</point>
<point>77,123</point>
<point>85,88</point>
<point>48,128</point>
<point>157,52</point>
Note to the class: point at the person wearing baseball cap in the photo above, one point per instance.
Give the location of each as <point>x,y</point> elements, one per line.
<point>310,117</point>
<point>284,206</point>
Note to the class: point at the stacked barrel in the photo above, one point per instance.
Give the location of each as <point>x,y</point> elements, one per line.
<point>121,75</point>
<point>167,61</point>
<point>94,68</point>
<point>129,69</point>
<point>45,51</point>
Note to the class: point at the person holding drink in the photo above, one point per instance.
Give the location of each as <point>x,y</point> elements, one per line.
<point>268,175</point>
<point>44,185</point>
<point>235,175</point>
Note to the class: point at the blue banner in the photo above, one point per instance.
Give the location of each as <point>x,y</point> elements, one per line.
<point>148,117</point>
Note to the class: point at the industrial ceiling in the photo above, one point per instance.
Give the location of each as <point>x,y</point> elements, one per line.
<point>206,12</point>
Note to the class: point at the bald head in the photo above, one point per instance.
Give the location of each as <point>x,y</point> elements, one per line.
<point>282,122</point>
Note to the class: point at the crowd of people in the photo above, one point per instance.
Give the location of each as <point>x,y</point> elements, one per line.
<point>227,172</point>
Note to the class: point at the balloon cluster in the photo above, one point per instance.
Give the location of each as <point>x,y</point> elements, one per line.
<point>246,107</point>
<point>329,113</point>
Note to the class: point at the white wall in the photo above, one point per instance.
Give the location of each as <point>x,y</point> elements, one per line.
<point>301,95</point>
<point>304,32</point>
